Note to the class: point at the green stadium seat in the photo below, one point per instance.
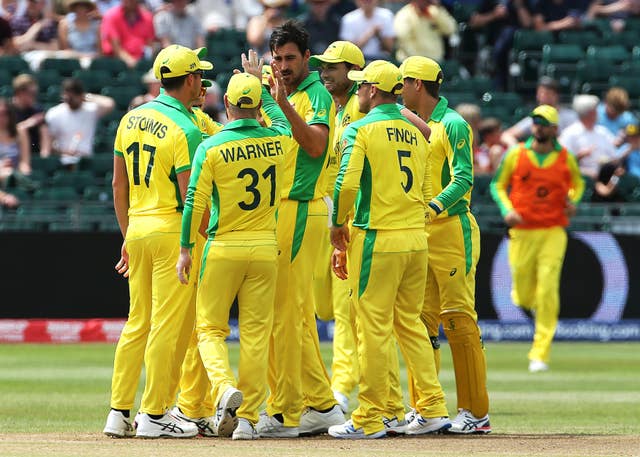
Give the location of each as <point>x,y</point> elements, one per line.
<point>14,65</point>
<point>462,11</point>
<point>591,78</point>
<point>78,180</point>
<point>531,40</point>
<point>47,79</point>
<point>627,81</point>
<point>65,67</point>
<point>582,38</point>
<point>94,80</point>
<point>72,226</point>
<point>21,225</point>
<point>46,164</point>
<point>6,78</point>
<point>143,65</point>
<point>614,55</point>
<point>98,164</point>
<point>626,38</point>
<point>66,193</point>
<point>505,100</point>
<point>109,226</point>
<point>98,193</point>
<point>451,69</point>
<point>111,65</point>
<point>121,95</point>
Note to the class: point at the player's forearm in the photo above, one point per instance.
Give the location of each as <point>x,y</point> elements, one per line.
<point>274,112</point>
<point>311,138</point>
<point>455,190</point>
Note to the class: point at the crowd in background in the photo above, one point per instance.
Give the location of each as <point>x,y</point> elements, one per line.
<point>602,131</point>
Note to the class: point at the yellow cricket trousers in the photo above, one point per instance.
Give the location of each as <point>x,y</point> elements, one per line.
<point>536,257</point>
<point>159,316</point>
<point>388,271</point>
<point>242,264</point>
<point>297,375</point>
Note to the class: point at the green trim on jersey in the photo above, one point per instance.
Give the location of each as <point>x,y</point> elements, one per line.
<point>468,244</point>
<point>301,224</point>
<point>367,258</point>
<point>363,203</point>
<point>118,153</point>
<point>213,226</point>
<point>165,104</point>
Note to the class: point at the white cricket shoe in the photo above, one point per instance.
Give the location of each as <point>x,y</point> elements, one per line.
<point>349,432</point>
<point>270,427</point>
<point>342,400</point>
<point>410,415</point>
<point>206,425</point>
<point>394,426</point>
<point>466,423</point>
<point>225,420</point>
<point>314,422</point>
<point>167,426</point>
<point>422,426</point>
<point>245,431</point>
<point>536,366</point>
<point>118,426</point>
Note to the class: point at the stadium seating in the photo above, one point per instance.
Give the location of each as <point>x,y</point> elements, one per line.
<point>14,65</point>
<point>111,65</point>
<point>64,67</point>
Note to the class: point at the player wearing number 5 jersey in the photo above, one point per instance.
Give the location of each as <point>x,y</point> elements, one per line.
<point>384,170</point>
<point>239,172</point>
<point>454,243</point>
<point>153,149</point>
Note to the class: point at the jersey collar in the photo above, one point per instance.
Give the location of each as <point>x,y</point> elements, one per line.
<point>440,110</point>
<point>240,123</point>
<point>386,108</point>
<point>174,103</point>
<point>311,78</point>
<point>556,146</point>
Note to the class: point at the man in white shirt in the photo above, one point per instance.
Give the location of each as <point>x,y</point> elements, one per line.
<point>73,122</point>
<point>369,27</point>
<point>592,144</point>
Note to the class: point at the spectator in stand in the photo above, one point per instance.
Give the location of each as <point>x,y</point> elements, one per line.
<point>547,93</point>
<point>618,11</point>
<point>104,6</point>
<point>606,189</point>
<point>153,90</point>
<point>259,27</point>
<point>421,27</point>
<point>501,19</point>
<point>30,115</point>
<point>629,152</point>
<point>176,25</point>
<point>7,46</point>
<point>73,122</point>
<point>592,144</point>
<point>14,146</point>
<point>491,147</point>
<point>8,8</point>
<point>127,32</point>
<point>8,200</point>
<point>369,27</point>
<point>322,21</point>
<point>35,29</point>
<point>213,105</point>
<point>471,113</point>
<point>614,113</point>
<point>79,30</point>
<point>224,14</point>
<point>558,15</point>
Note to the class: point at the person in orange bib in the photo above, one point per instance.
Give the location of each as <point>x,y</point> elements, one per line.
<point>537,188</point>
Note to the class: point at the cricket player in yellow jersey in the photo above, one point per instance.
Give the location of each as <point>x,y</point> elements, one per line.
<point>194,401</point>
<point>297,375</point>
<point>454,243</point>
<point>152,161</point>
<point>239,171</point>
<point>331,294</point>
<point>537,187</point>
<point>387,253</point>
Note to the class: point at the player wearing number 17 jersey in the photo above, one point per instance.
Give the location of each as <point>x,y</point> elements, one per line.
<point>152,160</point>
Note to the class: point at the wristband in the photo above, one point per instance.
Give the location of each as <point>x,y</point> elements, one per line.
<point>435,207</point>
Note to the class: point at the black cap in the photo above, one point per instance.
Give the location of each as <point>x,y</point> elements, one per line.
<point>549,83</point>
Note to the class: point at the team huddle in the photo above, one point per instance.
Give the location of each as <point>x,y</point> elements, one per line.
<point>320,197</point>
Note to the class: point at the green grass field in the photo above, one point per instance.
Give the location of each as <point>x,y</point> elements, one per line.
<point>592,389</point>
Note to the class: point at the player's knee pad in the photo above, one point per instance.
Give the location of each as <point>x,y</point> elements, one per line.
<point>469,363</point>
<point>435,345</point>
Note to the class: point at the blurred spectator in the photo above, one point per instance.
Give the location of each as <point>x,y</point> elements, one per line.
<point>500,19</point>
<point>618,11</point>
<point>547,93</point>
<point>557,15</point>
<point>322,21</point>
<point>8,8</point>
<point>35,28</point>
<point>629,152</point>
<point>421,27</point>
<point>491,149</point>
<point>592,144</point>
<point>73,122</point>
<point>606,189</point>
<point>369,27</point>
<point>153,90</point>
<point>259,27</point>
<point>14,147</point>
<point>614,113</point>
<point>175,25</point>
<point>8,200</point>
<point>7,46</point>
<point>104,6</point>
<point>226,14</point>
<point>30,115</point>
<point>213,105</point>
<point>79,30</point>
<point>127,32</point>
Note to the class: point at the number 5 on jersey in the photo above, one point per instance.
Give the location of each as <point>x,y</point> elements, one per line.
<point>406,170</point>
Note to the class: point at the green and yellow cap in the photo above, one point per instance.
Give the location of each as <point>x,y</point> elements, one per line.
<point>176,60</point>
<point>423,68</point>
<point>382,74</point>
<point>339,51</point>
<point>244,90</point>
